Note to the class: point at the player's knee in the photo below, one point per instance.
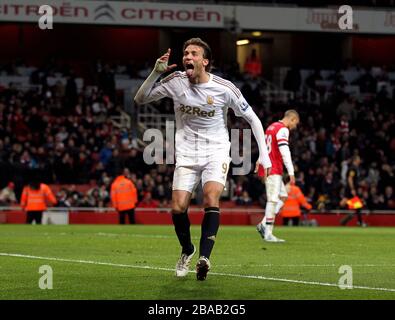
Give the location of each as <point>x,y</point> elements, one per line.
<point>271,198</point>
<point>178,206</point>
<point>210,200</point>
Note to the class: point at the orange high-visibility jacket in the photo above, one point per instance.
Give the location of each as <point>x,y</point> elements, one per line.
<point>123,194</point>
<point>292,205</point>
<point>37,200</point>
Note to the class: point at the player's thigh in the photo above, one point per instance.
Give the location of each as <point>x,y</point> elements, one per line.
<point>185,180</point>
<point>216,170</point>
<point>273,187</point>
<point>214,176</point>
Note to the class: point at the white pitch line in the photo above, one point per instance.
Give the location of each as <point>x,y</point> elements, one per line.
<point>305,265</point>
<point>17,255</point>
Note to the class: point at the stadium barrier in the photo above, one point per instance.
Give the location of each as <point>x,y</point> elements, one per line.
<point>229,216</point>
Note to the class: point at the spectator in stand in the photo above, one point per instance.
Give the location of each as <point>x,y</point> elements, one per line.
<point>244,200</point>
<point>389,198</point>
<point>387,175</point>
<point>106,153</point>
<point>253,64</point>
<point>329,192</point>
<point>366,82</point>
<point>311,80</point>
<point>347,107</point>
<point>7,195</point>
<point>75,196</point>
<point>148,202</point>
<point>63,200</point>
<point>374,200</point>
<point>160,191</point>
<point>238,189</point>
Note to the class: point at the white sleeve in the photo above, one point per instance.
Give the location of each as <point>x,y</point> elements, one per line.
<point>242,109</point>
<point>150,90</point>
<point>282,140</point>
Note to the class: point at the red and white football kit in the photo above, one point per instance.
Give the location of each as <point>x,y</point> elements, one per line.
<point>277,135</point>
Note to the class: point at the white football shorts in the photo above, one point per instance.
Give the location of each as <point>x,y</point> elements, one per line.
<point>275,188</point>
<point>189,171</point>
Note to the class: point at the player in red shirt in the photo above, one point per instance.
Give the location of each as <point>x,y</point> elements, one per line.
<point>277,142</point>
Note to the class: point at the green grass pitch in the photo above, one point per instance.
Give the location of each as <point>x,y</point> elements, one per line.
<point>137,262</point>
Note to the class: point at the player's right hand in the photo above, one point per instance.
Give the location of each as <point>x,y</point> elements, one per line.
<point>161,65</point>
<point>292,180</point>
<point>266,172</point>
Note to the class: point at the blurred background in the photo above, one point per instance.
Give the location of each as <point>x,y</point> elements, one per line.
<point>66,107</point>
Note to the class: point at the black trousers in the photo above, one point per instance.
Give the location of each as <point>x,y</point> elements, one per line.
<point>294,221</point>
<point>124,213</point>
<point>34,216</point>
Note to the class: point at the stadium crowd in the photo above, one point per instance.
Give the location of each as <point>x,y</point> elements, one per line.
<point>68,135</point>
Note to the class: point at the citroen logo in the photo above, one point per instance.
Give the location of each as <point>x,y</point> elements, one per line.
<point>104,10</point>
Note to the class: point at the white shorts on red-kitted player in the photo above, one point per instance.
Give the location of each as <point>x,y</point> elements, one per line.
<point>275,188</point>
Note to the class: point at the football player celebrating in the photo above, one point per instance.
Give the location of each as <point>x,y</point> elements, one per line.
<point>201,101</point>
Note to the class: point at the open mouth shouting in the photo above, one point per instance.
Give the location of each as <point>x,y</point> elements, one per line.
<point>189,69</point>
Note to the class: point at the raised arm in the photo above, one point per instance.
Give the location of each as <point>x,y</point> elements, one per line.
<point>147,92</point>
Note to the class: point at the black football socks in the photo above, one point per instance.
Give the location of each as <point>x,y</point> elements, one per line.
<point>182,228</point>
<point>210,227</point>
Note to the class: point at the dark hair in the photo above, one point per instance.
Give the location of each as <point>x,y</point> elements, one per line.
<point>207,50</point>
<point>35,185</point>
<point>34,179</point>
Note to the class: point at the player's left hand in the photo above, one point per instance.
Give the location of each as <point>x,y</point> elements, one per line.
<point>292,180</point>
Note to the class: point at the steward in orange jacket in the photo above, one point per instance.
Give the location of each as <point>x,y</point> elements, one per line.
<point>34,200</point>
<point>291,209</point>
<point>124,197</point>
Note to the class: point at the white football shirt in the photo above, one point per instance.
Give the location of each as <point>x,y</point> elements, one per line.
<point>201,112</point>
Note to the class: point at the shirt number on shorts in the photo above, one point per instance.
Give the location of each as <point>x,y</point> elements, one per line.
<point>224,168</point>
<point>269,143</point>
